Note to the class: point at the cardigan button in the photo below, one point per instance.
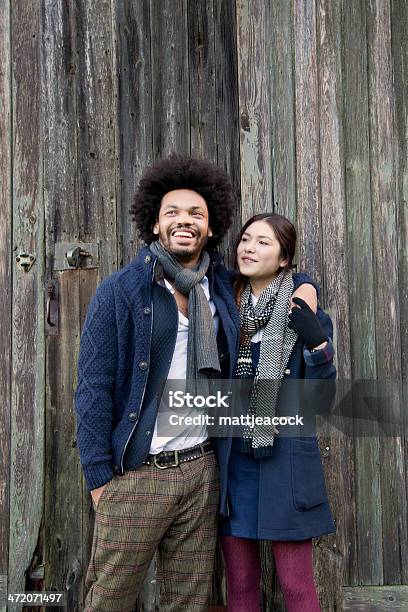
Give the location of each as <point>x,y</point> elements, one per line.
<point>133,416</point>
<point>147,259</point>
<point>147,310</point>
<point>143,365</point>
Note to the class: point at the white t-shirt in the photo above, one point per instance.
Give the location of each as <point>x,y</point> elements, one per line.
<point>189,435</point>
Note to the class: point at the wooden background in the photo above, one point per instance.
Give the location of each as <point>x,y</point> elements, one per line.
<point>304,103</point>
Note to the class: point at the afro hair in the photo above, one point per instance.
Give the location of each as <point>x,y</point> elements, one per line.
<point>176,172</point>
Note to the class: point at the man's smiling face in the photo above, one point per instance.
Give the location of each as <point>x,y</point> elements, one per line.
<point>183,224</point>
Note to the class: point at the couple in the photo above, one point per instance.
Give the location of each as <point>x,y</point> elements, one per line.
<point>175,312</point>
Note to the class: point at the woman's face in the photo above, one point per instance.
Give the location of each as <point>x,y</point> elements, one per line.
<point>259,252</point>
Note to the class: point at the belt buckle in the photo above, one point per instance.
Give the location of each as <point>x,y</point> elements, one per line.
<point>164,467</point>
<point>203,449</point>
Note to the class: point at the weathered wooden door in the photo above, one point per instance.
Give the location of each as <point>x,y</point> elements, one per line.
<point>305,105</point>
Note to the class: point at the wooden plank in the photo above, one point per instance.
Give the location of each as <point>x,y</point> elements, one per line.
<point>307,139</point>
<point>97,214</point>
<point>27,378</point>
<point>361,284</point>
<point>96,134</point>
<point>6,294</point>
<point>388,344</point>
<point>201,72</point>
<point>335,555</point>
<point>227,111</point>
<point>253,27</point>
<point>66,539</point>
<point>171,107</point>
<point>282,108</point>
<point>134,124</point>
<point>399,29</point>
<point>375,599</point>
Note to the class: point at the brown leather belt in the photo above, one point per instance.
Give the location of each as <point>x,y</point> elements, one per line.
<point>168,459</point>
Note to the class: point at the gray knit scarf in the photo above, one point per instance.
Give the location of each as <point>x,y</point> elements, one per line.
<point>271,313</point>
<point>202,351</point>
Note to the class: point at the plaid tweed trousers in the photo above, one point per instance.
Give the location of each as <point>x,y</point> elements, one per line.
<point>173,511</point>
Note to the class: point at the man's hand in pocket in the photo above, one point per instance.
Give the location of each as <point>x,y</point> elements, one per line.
<point>96,493</point>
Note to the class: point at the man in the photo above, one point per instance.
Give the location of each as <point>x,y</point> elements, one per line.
<point>169,314</point>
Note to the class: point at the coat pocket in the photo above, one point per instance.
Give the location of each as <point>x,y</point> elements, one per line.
<point>308,485</point>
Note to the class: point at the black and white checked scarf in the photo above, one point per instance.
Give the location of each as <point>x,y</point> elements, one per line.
<point>271,313</point>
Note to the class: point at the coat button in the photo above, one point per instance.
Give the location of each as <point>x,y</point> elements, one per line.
<point>116,469</point>
<point>148,432</point>
<point>147,310</point>
<point>147,259</point>
<point>133,416</point>
<point>143,365</point>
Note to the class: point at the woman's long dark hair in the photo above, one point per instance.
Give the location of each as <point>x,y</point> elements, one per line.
<point>285,234</point>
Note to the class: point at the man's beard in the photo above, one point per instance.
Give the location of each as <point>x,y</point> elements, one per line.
<point>183,253</point>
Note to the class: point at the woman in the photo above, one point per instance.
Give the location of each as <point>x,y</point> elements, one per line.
<point>273,476</point>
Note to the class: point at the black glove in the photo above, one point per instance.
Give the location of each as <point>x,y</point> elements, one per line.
<point>306,324</point>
